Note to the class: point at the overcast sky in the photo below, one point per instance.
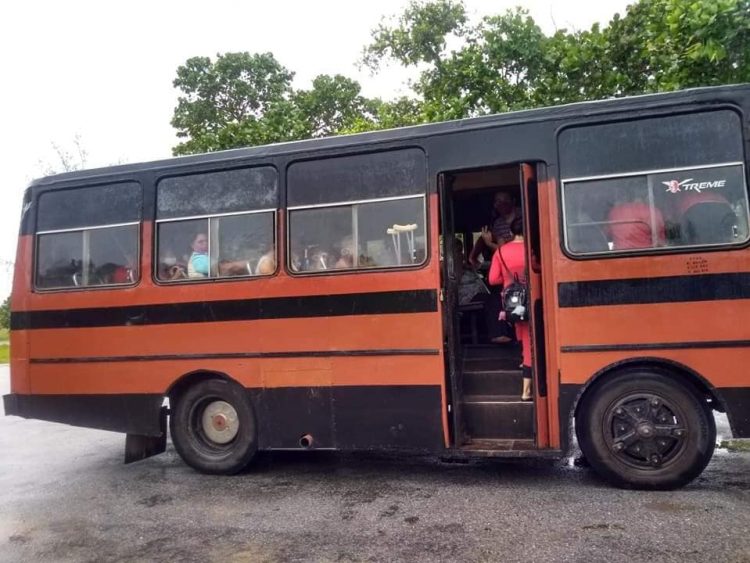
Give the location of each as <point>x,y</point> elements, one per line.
<point>104,70</point>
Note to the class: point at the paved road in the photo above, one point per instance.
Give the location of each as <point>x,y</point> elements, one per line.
<point>67,497</point>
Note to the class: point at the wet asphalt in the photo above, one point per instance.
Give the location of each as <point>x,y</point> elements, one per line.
<point>66,496</point>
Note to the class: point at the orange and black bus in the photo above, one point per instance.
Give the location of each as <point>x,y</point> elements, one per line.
<point>307,295</point>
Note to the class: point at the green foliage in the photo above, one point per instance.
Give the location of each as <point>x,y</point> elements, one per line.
<point>5,315</point>
<point>421,35</point>
<point>504,62</point>
<point>225,103</point>
<point>333,104</point>
<point>387,115</point>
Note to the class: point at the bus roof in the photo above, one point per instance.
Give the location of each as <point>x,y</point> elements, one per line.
<point>572,110</point>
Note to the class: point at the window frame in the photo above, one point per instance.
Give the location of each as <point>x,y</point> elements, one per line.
<point>209,279</point>
<point>138,256</point>
<point>344,271</point>
<point>659,250</point>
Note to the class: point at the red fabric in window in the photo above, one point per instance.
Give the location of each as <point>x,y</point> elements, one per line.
<point>631,226</point>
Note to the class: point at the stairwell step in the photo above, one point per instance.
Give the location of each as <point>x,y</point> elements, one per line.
<point>486,399</point>
<point>481,364</point>
<point>499,382</point>
<point>499,420</point>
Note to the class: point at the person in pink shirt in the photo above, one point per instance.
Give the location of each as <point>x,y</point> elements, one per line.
<point>505,268</point>
<point>632,225</point>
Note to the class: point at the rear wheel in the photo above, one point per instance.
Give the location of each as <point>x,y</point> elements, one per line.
<point>646,430</point>
<point>213,427</point>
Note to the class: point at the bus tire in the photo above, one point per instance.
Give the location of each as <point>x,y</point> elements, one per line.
<point>646,430</point>
<point>213,427</point>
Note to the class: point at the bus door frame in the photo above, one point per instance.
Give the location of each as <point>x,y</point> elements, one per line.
<point>533,214</point>
<point>449,297</point>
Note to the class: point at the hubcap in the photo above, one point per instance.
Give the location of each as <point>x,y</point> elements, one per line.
<point>220,422</point>
<point>645,430</point>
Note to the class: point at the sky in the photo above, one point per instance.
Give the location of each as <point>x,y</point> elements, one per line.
<point>102,71</point>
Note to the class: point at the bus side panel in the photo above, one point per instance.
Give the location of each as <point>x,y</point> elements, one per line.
<point>312,362</point>
<point>129,413</point>
<point>705,334</point>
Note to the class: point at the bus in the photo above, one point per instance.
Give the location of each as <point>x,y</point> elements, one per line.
<point>309,295</point>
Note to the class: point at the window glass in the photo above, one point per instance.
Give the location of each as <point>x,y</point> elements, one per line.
<point>215,247</point>
<point>91,257</point>
<point>663,142</point>
<point>213,193</point>
<point>89,207</point>
<point>59,259</point>
<point>357,177</point>
<point>376,234</point>
<point>689,207</point>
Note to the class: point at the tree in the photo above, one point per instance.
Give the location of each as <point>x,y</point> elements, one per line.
<point>5,314</point>
<point>503,62</point>
<point>379,114</point>
<point>225,103</point>
<point>334,103</point>
<point>69,159</point>
<point>242,99</point>
<point>506,62</point>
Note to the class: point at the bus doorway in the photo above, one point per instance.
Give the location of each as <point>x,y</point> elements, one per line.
<point>493,408</point>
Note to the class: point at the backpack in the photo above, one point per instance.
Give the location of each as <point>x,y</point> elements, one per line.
<point>514,297</point>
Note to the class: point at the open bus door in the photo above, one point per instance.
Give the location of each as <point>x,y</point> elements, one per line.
<point>534,249</point>
<point>484,379</point>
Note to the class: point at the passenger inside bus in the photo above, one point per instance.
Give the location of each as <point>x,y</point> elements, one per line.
<point>198,261</point>
<point>633,223</point>
<point>497,231</point>
<point>704,217</point>
<point>266,264</point>
<point>508,265</point>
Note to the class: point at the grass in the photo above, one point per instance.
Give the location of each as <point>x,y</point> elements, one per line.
<point>4,353</point>
<point>3,335</point>
<point>736,445</point>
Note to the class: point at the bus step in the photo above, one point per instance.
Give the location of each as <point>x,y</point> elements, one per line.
<point>492,352</point>
<point>493,382</point>
<point>486,364</point>
<point>498,417</point>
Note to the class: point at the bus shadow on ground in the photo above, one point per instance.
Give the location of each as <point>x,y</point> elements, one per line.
<point>389,466</point>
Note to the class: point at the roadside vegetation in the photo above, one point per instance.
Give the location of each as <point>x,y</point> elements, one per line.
<point>464,67</point>
<point>4,330</point>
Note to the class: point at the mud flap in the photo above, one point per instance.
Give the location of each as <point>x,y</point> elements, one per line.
<point>139,446</point>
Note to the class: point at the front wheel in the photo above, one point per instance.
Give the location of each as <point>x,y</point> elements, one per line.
<point>646,430</point>
<point>213,427</point>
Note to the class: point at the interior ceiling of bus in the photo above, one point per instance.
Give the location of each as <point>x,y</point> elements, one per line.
<point>506,177</point>
<point>473,192</point>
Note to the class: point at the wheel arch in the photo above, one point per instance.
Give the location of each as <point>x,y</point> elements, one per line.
<point>671,368</point>
<point>182,383</point>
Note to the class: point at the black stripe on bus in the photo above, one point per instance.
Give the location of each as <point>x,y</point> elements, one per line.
<point>670,289</point>
<point>371,303</point>
<point>340,417</point>
<point>239,355</point>
<point>656,346</point>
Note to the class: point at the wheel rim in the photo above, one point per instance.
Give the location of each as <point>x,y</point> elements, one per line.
<point>217,422</point>
<point>645,430</point>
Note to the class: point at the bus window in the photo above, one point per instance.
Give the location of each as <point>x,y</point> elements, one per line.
<point>80,244</point>
<point>374,234</point>
<point>358,211</point>
<point>234,233</point>
<point>677,208</point>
